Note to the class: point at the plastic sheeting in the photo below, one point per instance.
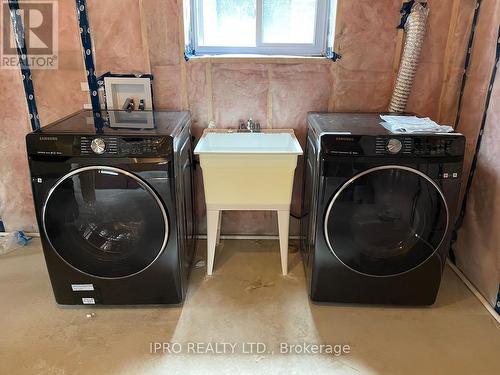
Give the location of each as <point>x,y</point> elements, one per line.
<point>16,204</point>
<point>117,36</point>
<point>57,91</point>
<point>477,248</point>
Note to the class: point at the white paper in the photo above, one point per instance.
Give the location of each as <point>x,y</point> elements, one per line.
<point>412,124</point>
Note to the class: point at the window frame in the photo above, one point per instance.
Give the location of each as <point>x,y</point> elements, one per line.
<point>318,48</point>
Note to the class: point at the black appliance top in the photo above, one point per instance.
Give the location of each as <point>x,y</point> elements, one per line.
<point>362,134</point>
<point>352,123</point>
<point>112,134</point>
<point>118,123</point>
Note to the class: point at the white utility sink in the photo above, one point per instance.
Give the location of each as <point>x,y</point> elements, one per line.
<point>255,143</point>
<point>247,171</point>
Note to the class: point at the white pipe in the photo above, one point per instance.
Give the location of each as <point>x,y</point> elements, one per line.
<point>474,291</point>
<point>246,237</point>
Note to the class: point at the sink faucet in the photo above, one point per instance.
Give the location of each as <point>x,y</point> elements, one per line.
<point>249,125</point>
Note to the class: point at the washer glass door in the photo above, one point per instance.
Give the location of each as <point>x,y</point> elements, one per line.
<point>386,220</point>
<point>105,222</point>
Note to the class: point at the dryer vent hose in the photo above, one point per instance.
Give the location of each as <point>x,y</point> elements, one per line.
<point>415,32</point>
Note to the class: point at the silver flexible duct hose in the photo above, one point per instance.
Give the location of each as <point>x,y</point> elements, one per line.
<point>415,32</point>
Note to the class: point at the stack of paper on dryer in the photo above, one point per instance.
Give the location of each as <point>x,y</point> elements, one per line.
<point>412,124</point>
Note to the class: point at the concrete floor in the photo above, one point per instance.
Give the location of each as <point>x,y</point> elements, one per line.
<point>247,300</point>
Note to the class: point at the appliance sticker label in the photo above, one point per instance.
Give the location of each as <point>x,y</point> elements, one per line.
<point>88,301</point>
<point>82,287</point>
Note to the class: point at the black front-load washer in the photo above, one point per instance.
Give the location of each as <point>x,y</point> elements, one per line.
<point>378,210</point>
<point>114,205</point>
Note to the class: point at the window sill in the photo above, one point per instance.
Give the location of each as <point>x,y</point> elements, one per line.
<point>263,59</point>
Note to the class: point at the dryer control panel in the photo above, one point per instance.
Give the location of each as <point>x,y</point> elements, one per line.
<point>123,146</point>
<point>99,146</point>
<point>393,145</point>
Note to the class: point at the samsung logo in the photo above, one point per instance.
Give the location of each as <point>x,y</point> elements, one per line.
<point>344,139</point>
<point>48,138</point>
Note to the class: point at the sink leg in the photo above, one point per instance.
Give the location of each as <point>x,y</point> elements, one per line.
<point>219,225</point>
<point>212,224</point>
<point>283,223</point>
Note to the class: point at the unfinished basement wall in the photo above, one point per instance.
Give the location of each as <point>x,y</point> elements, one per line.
<point>57,93</point>
<point>146,36</point>
<point>16,204</point>
<point>280,92</point>
<point>477,248</point>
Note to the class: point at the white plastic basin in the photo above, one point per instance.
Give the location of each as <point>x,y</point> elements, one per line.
<point>248,170</point>
<point>253,143</point>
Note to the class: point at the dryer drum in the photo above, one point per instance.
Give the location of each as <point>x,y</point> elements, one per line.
<point>387,220</point>
<point>105,222</point>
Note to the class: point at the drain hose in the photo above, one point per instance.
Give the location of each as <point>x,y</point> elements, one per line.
<point>415,32</point>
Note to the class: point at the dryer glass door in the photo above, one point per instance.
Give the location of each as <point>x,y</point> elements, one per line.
<point>386,220</point>
<point>105,222</point>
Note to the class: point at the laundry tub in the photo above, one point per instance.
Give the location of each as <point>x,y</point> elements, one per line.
<point>247,171</point>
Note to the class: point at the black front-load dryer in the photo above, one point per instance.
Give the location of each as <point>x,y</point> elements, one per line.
<point>114,202</point>
<point>378,210</point>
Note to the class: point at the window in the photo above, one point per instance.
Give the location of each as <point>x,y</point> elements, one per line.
<point>271,27</point>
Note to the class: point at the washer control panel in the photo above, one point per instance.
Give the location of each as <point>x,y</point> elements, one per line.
<point>98,146</point>
<point>437,146</point>
<point>393,145</point>
<point>123,146</point>
<point>140,146</point>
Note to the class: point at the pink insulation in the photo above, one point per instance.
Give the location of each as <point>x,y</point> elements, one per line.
<point>167,87</point>
<point>479,76</point>
<point>454,62</point>
<point>199,97</point>
<point>296,90</point>
<point>58,92</point>
<point>16,202</point>
<point>424,98</point>
<point>477,248</point>
<point>363,78</point>
<point>239,92</point>
<point>117,36</point>
<point>162,31</point>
